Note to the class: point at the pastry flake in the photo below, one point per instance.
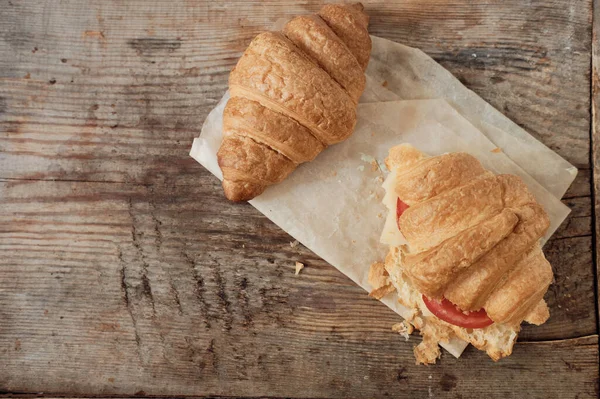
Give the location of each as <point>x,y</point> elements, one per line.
<point>380,281</point>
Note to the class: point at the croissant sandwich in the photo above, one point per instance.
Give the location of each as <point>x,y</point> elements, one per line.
<point>293,93</point>
<point>464,252</point>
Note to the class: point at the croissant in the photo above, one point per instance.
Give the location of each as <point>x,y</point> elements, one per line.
<point>293,94</point>
<point>466,238</point>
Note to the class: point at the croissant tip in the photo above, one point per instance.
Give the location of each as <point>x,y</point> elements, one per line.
<point>240,191</point>
<point>358,6</point>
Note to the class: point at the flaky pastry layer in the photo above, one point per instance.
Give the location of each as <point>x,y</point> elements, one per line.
<point>294,93</point>
<point>470,237</point>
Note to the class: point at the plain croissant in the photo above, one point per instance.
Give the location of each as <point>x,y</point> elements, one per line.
<point>293,93</point>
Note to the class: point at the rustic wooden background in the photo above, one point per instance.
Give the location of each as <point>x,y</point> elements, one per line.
<point>123,271</point>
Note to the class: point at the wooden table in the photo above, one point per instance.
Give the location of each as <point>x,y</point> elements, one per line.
<point>123,271</point>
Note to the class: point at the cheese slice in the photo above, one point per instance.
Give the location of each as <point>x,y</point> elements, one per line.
<point>391,235</point>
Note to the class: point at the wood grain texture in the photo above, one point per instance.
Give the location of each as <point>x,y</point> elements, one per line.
<point>595,135</point>
<point>146,288</point>
<point>138,78</point>
<point>124,270</point>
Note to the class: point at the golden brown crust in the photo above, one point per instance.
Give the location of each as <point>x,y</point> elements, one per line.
<point>275,130</point>
<point>431,271</point>
<point>238,191</point>
<point>278,75</point>
<point>315,38</point>
<point>433,176</point>
<point>539,315</point>
<point>473,287</point>
<point>524,287</point>
<point>292,99</point>
<point>429,223</point>
<point>402,157</point>
<point>350,23</point>
<point>514,191</point>
<point>252,165</point>
<point>473,239</point>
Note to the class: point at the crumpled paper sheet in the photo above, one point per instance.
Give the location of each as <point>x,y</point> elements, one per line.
<point>332,205</point>
<point>413,75</point>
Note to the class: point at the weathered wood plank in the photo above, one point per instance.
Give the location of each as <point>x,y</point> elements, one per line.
<point>531,60</point>
<point>148,288</point>
<point>132,82</point>
<point>159,286</point>
<point>572,292</point>
<point>579,222</point>
<point>581,187</point>
<point>595,136</point>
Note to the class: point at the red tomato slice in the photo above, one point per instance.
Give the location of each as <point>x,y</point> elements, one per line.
<point>400,208</point>
<point>450,313</point>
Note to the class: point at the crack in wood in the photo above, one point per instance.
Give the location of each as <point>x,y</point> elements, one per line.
<point>400,377</point>
<point>570,197</point>
<point>199,289</point>
<point>128,305</point>
<point>158,241</point>
<point>222,294</point>
<point>569,237</point>
<point>146,287</point>
<point>244,301</point>
<point>214,358</point>
<point>176,297</point>
<point>558,340</point>
<point>157,223</point>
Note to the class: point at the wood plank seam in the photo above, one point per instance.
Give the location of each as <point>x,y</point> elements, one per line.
<point>557,340</point>
<point>27,395</point>
<point>9,179</point>
<point>594,88</point>
<point>575,236</point>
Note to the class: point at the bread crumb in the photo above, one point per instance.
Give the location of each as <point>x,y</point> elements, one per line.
<point>404,328</point>
<point>379,279</point>
<point>294,244</point>
<point>427,352</point>
<point>382,291</point>
<point>334,173</point>
<point>385,83</point>
<point>497,150</point>
<point>374,166</point>
<point>366,158</point>
<point>299,266</point>
<point>379,215</point>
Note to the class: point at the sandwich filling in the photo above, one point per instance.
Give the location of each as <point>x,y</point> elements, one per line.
<point>464,254</point>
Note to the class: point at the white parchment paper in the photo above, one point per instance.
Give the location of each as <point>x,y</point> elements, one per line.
<point>412,75</point>
<point>332,205</point>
